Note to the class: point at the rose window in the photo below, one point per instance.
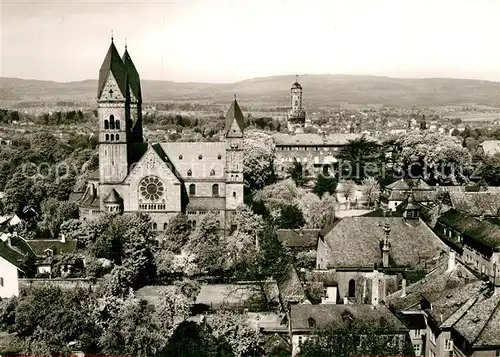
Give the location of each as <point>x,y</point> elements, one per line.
<point>151,188</point>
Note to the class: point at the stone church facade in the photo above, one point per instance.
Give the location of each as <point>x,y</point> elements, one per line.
<point>160,179</point>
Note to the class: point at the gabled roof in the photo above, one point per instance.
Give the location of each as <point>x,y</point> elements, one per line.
<point>112,64</point>
<point>39,246</point>
<point>407,185</point>
<point>113,197</point>
<point>363,316</point>
<point>134,80</point>
<point>355,242</point>
<point>18,253</point>
<point>482,231</point>
<point>290,286</point>
<point>440,287</point>
<point>234,114</point>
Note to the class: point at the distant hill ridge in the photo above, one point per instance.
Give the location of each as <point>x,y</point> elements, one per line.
<point>319,90</point>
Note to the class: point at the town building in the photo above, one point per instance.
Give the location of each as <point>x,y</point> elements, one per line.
<point>306,319</point>
<point>397,192</point>
<point>160,179</point>
<point>370,253</point>
<point>296,118</point>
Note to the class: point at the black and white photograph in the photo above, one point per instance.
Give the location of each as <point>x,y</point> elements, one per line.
<point>249,178</point>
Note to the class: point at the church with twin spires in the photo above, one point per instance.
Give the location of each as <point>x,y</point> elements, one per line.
<point>160,179</point>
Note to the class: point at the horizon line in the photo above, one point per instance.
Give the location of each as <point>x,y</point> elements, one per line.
<point>265,77</point>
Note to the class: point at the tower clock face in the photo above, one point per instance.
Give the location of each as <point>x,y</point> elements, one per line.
<point>151,188</point>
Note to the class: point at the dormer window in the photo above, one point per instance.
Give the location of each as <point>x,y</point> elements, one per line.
<point>311,322</point>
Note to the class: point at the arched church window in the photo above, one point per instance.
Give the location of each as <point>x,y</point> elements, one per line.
<point>117,124</point>
<point>111,121</point>
<point>117,137</point>
<point>165,225</point>
<point>180,157</point>
<point>106,124</point>
<point>107,137</point>
<point>219,156</point>
<point>190,173</point>
<point>192,189</point>
<point>212,172</point>
<point>200,157</point>
<point>155,226</point>
<point>112,137</point>
<point>215,190</point>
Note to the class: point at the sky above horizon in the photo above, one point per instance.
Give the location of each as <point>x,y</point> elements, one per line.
<point>228,41</point>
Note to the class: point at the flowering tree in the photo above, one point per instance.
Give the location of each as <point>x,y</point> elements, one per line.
<point>258,159</point>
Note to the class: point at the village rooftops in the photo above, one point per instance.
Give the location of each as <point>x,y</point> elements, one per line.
<point>446,289</point>
<point>485,232</point>
<point>407,185</point>
<point>309,317</point>
<point>305,139</point>
<point>56,246</point>
<point>476,203</point>
<point>355,242</point>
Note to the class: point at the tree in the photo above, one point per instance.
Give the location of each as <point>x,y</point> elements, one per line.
<point>274,255</point>
<point>296,172</point>
<point>177,232</point>
<point>232,329</point>
<point>347,189</point>
<point>278,195</point>
<point>248,222</point>
<point>434,157</point>
<point>258,160</point>
<point>359,158</point>
<point>325,184</point>
<point>371,189</point>
<point>291,217</point>
<point>322,212</point>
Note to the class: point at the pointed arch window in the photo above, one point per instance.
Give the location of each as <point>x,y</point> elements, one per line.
<point>107,137</point>
<point>192,189</point>
<point>106,124</point>
<point>190,173</point>
<point>117,137</point>
<point>112,137</point>
<point>212,172</point>
<point>117,124</point>
<point>215,190</point>
<point>111,121</point>
<point>165,225</point>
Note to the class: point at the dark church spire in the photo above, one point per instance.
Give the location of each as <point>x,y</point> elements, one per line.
<point>234,114</point>
<point>112,64</point>
<point>134,80</point>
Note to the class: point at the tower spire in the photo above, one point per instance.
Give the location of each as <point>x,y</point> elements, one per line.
<point>125,43</point>
<point>234,96</point>
<point>111,35</point>
<point>296,78</point>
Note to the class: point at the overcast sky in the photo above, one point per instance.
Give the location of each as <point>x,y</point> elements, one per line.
<point>227,41</point>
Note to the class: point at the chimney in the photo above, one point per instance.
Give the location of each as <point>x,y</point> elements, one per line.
<point>375,288</point>
<point>403,287</point>
<point>385,246</point>
<point>451,261</point>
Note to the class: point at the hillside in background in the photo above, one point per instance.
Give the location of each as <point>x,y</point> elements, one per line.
<point>319,91</point>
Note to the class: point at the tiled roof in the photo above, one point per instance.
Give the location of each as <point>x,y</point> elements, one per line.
<point>206,204</point>
<point>355,242</point>
<point>419,196</point>
<point>298,238</point>
<point>89,199</point>
<point>57,246</point>
<point>364,316</point>
<point>490,147</point>
<point>290,287</point>
<point>413,321</point>
<point>436,285</point>
<point>404,185</point>
<point>481,318</point>
<point>112,64</point>
<point>482,231</point>
<point>234,113</point>
<point>17,253</point>
<point>305,139</point>
<point>185,156</point>
<point>134,80</point>
<point>476,203</point>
